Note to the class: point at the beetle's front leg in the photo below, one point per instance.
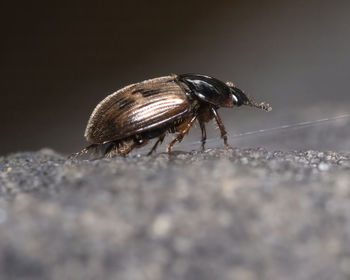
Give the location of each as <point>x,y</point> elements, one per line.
<point>204,134</point>
<point>184,130</point>
<point>221,127</point>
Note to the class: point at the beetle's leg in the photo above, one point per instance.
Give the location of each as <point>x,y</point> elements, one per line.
<point>127,147</point>
<point>160,140</point>
<point>124,150</point>
<point>112,149</point>
<point>182,133</point>
<point>221,127</point>
<point>82,152</point>
<point>204,134</point>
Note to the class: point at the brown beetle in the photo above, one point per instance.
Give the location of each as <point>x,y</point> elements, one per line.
<point>133,115</point>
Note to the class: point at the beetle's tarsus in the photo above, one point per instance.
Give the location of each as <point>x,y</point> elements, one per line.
<point>228,146</point>
<point>203,146</point>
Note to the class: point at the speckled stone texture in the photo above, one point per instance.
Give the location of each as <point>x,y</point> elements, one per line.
<point>241,214</point>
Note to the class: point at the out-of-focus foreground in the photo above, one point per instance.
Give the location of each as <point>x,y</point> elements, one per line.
<point>241,214</point>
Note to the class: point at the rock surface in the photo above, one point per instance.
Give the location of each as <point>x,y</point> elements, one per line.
<point>240,214</point>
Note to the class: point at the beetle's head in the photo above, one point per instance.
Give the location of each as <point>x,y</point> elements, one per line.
<point>216,92</point>
<point>240,98</point>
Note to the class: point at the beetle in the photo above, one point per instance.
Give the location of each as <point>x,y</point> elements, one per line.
<point>137,113</point>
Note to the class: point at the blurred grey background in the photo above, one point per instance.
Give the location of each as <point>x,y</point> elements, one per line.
<point>58,61</point>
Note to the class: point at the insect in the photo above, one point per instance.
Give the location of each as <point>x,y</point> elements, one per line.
<point>135,114</point>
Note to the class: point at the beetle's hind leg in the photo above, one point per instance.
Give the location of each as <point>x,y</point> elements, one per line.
<point>119,148</point>
<point>122,148</point>
<point>184,129</point>
<point>159,141</point>
<point>82,152</point>
<point>111,150</point>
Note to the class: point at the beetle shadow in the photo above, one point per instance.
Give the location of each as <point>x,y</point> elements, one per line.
<point>173,153</point>
<point>100,151</point>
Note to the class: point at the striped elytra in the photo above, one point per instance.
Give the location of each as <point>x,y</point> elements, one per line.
<point>137,113</point>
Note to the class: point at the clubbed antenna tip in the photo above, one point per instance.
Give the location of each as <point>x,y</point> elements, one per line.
<point>263,106</point>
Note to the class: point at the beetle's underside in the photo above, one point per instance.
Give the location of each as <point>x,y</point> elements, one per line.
<point>181,127</point>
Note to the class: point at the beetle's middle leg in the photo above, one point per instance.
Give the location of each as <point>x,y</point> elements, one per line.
<point>136,143</point>
<point>160,140</point>
<point>221,127</point>
<point>183,132</point>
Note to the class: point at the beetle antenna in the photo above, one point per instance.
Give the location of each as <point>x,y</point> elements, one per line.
<point>263,106</point>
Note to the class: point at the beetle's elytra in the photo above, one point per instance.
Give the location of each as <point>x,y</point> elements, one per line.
<point>133,115</point>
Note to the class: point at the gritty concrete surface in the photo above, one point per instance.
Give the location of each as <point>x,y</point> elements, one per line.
<point>241,214</point>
